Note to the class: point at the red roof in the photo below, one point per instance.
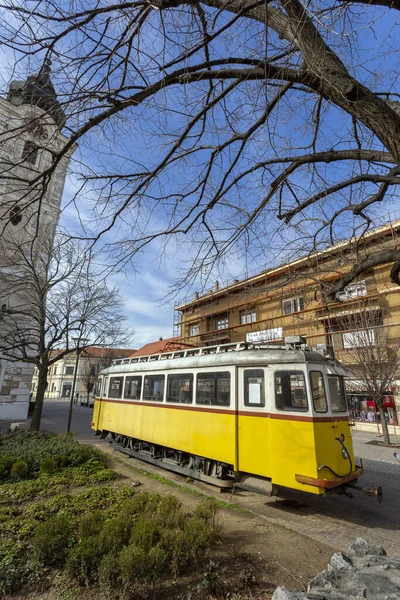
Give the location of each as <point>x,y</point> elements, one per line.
<point>159,346</point>
<point>95,352</point>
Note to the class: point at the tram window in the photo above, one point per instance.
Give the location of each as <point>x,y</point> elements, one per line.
<point>154,388</point>
<point>115,390</point>
<point>254,394</point>
<point>97,389</point>
<point>214,388</point>
<point>337,393</point>
<point>180,388</point>
<point>318,392</point>
<point>105,389</point>
<point>133,387</point>
<point>290,390</point>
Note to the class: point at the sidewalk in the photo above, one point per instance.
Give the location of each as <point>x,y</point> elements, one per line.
<point>368,451</point>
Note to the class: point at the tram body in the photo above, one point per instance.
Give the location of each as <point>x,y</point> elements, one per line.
<point>233,411</point>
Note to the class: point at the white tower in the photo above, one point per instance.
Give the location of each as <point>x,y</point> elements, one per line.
<point>31,118</point>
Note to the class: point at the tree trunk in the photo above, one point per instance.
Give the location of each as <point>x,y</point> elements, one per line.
<point>41,389</point>
<point>385,429</point>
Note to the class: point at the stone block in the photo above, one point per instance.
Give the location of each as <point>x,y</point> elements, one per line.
<point>283,593</point>
<point>23,425</point>
<point>362,548</point>
<point>340,562</point>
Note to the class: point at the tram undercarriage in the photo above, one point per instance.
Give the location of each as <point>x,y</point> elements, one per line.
<point>210,471</point>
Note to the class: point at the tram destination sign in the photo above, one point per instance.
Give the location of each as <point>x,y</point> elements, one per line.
<point>265,335</point>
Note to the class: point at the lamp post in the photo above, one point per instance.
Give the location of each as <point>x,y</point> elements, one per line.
<point>71,401</point>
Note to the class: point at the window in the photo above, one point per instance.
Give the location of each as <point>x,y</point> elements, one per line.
<point>290,391</point>
<point>194,330</point>
<point>97,389</point>
<point>133,387</point>
<point>353,290</point>
<point>318,392</point>
<point>105,389</point>
<point>30,153</point>
<point>53,387</point>
<point>337,393</point>
<point>69,370</point>
<point>214,389</point>
<point>154,387</point>
<point>55,370</point>
<point>248,317</point>
<point>180,388</point>
<point>292,305</point>
<point>357,339</point>
<point>92,370</point>
<point>254,393</point>
<point>115,390</point>
<point>222,323</point>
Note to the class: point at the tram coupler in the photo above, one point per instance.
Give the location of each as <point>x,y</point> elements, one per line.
<point>375,492</point>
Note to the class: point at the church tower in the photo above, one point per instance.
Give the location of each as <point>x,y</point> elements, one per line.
<point>31,120</point>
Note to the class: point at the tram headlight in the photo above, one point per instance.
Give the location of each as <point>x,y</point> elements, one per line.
<point>345,454</point>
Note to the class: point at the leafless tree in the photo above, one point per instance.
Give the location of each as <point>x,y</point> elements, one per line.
<point>93,366</point>
<point>55,298</point>
<point>219,123</point>
<point>371,355</point>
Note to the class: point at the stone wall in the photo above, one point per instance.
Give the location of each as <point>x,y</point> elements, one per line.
<point>365,572</point>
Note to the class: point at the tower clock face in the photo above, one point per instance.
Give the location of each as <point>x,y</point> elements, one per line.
<point>36,128</point>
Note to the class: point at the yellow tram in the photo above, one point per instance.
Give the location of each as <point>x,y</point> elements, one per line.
<point>265,416</point>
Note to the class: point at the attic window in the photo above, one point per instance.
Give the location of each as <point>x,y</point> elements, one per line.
<point>15,215</point>
<point>30,153</point>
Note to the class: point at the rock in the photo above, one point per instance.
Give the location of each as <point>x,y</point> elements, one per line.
<point>322,580</point>
<point>362,548</point>
<point>340,562</point>
<point>283,593</point>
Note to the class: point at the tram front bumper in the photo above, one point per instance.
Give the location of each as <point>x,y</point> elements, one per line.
<point>329,484</point>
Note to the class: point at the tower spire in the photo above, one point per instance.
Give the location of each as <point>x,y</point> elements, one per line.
<point>38,90</point>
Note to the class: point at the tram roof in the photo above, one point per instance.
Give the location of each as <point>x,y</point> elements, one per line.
<point>240,357</point>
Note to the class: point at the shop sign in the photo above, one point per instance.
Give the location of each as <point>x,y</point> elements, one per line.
<point>265,335</point>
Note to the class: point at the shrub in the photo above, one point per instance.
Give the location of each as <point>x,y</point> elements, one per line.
<point>115,534</point>
<point>207,510</point>
<point>5,467</point>
<point>187,546</point>
<point>170,511</point>
<point>91,524</point>
<point>83,561</point>
<point>146,534</point>
<point>109,573</point>
<point>51,540</point>
<point>139,565</point>
<point>19,469</point>
<point>48,465</point>
<point>141,503</point>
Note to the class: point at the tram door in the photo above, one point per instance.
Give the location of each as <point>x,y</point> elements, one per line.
<point>254,420</point>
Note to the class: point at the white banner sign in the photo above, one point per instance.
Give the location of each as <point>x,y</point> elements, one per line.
<point>266,335</point>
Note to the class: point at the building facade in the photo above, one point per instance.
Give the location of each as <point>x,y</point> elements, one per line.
<point>31,119</point>
<point>61,373</point>
<point>291,299</point>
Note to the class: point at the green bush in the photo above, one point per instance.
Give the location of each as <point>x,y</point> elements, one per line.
<point>5,467</point>
<point>141,504</point>
<point>146,534</point>
<point>52,540</point>
<point>83,561</point>
<point>207,510</point>
<point>19,469</point>
<point>48,465</point>
<point>138,565</point>
<point>109,574</point>
<point>115,534</point>
<point>91,524</point>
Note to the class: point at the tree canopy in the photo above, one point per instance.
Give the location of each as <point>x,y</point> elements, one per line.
<point>222,123</point>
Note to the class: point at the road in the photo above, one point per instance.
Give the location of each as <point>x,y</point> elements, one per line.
<point>334,520</point>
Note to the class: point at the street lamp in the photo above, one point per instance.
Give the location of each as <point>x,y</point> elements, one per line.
<point>78,341</point>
